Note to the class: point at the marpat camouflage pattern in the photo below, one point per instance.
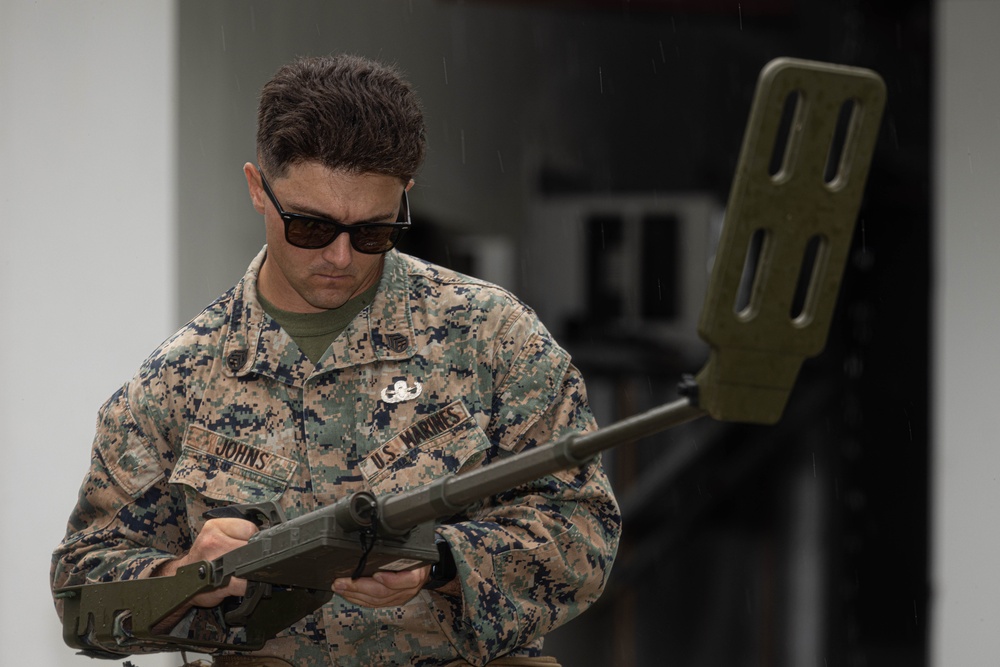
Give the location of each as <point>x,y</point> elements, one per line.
<point>442,373</point>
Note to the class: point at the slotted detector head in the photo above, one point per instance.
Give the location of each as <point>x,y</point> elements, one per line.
<point>787,233</point>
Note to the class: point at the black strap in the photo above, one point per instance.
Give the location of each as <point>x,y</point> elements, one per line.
<point>367,537</point>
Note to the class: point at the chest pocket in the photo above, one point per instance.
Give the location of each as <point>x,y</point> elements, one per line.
<point>215,470</point>
<point>448,441</point>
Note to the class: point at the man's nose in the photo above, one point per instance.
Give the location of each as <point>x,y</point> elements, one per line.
<point>339,252</point>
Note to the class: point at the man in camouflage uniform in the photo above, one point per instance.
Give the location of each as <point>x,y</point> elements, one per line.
<point>338,364</point>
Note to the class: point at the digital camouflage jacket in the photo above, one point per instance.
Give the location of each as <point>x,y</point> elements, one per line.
<point>441,373</point>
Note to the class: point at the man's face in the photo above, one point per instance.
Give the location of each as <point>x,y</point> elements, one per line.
<point>310,281</point>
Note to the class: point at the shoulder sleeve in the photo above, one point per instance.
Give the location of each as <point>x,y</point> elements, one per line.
<point>536,556</point>
<point>124,522</point>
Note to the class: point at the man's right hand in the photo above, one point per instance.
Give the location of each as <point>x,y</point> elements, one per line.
<point>217,537</point>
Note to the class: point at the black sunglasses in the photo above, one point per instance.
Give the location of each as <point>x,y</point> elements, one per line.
<point>370,238</point>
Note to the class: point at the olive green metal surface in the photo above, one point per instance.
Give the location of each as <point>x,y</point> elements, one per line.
<point>757,347</point>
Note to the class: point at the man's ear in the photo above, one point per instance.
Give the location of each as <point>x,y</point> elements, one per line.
<point>255,187</point>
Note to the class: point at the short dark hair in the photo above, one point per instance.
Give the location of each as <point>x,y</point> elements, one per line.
<point>345,112</point>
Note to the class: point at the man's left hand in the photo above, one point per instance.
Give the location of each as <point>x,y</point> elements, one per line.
<point>383,589</point>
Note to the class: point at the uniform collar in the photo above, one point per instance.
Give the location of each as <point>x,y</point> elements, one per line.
<point>383,331</point>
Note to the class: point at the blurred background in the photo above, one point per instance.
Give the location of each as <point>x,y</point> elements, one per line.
<point>581,153</point>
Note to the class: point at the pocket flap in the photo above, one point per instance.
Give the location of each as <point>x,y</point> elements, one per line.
<point>225,469</point>
<point>448,440</point>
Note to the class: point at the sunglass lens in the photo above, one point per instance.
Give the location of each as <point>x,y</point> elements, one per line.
<point>373,240</point>
<point>309,233</point>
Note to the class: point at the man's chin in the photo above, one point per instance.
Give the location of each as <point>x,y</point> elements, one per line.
<point>327,300</point>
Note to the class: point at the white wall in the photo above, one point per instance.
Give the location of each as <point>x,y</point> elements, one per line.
<point>86,266</point>
<point>966,463</point>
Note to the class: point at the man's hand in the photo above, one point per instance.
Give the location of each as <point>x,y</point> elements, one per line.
<point>383,589</point>
<point>218,537</point>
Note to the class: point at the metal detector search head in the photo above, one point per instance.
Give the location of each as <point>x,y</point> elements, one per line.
<point>787,232</point>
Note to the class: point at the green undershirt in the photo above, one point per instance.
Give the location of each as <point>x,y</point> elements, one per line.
<point>314,332</point>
